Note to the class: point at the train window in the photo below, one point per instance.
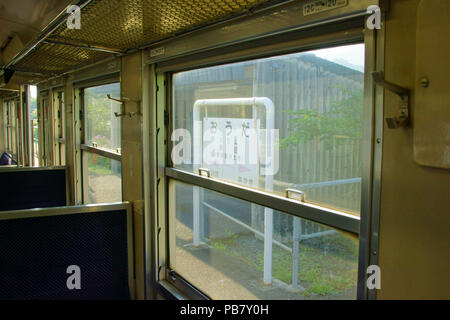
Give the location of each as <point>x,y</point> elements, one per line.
<point>102,127</point>
<point>59,117</point>
<point>230,265</point>
<point>8,126</point>
<point>33,116</point>
<point>265,182</point>
<point>101,148</point>
<point>311,103</point>
<point>12,118</point>
<point>45,129</point>
<point>104,184</point>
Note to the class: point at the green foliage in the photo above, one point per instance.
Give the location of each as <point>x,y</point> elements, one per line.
<point>34,114</point>
<point>33,109</point>
<point>219,245</point>
<point>100,114</point>
<point>343,119</point>
<point>318,289</point>
<point>99,166</point>
<point>99,169</point>
<point>222,244</point>
<point>99,118</point>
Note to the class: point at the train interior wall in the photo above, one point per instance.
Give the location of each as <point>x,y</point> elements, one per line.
<point>414,205</point>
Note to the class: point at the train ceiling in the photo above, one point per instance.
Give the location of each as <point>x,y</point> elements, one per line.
<point>109,27</point>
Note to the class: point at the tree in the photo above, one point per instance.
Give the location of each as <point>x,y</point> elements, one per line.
<point>343,119</point>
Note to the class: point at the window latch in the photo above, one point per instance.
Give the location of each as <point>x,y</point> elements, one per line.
<point>172,275</point>
<point>295,194</point>
<point>403,118</point>
<point>204,172</point>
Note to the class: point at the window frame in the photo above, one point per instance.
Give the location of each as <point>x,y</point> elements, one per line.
<point>44,130</point>
<point>59,119</point>
<point>86,149</point>
<point>8,126</point>
<point>14,129</point>
<point>157,226</point>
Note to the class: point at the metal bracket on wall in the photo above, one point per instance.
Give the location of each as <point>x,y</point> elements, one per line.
<point>403,119</point>
<point>122,102</point>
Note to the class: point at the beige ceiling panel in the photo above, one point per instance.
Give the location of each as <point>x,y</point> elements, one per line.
<point>127,24</point>
<point>54,59</point>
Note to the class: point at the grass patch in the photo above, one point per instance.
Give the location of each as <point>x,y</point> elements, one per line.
<point>327,265</point>
<point>99,170</point>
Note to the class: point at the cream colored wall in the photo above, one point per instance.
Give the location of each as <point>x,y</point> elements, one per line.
<point>131,88</point>
<point>415,203</point>
<point>69,136</point>
<point>414,217</point>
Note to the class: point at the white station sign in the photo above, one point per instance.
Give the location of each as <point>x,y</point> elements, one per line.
<point>230,149</point>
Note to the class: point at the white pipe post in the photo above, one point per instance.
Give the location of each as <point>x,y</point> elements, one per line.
<point>196,216</point>
<point>268,235</point>
<point>196,166</point>
<point>296,239</point>
<point>268,174</point>
<point>254,208</point>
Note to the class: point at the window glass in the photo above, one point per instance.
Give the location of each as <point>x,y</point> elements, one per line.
<point>217,244</point>
<point>13,123</point>
<point>291,121</point>
<point>34,123</point>
<point>8,126</point>
<point>33,103</point>
<point>46,138</point>
<point>35,130</point>
<point>102,126</point>
<point>104,182</point>
<point>60,128</point>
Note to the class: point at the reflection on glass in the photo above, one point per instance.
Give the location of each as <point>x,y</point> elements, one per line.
<point>104,180</point>
<point>318,102</point>
<point>228,260</point>
<point>102,126</point>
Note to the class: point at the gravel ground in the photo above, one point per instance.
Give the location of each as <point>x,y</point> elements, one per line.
<point>104,189</point>
<point>231,268</point>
